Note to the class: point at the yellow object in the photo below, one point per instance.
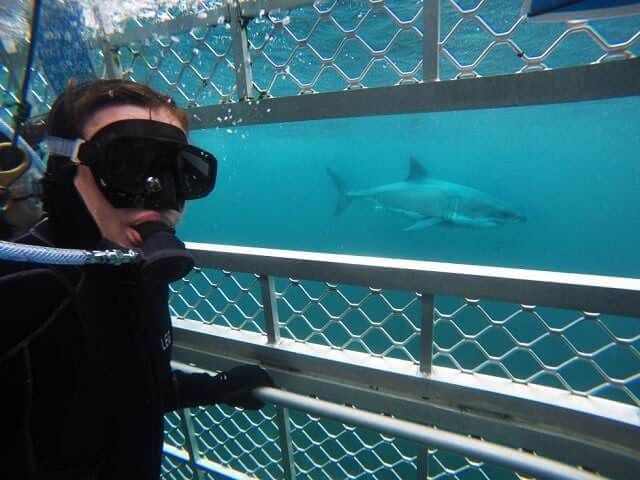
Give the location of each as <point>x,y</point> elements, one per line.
<point>14,162</point>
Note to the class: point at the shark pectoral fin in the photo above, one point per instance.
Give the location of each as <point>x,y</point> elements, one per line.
<point>424,223</point>
<point>343,195</point>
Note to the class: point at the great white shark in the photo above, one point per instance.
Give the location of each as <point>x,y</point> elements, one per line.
<point>429,201</point>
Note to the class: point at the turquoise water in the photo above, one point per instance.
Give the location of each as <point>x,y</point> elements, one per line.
<point>571,169</point>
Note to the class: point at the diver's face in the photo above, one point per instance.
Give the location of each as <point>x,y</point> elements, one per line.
<point>118,225</point>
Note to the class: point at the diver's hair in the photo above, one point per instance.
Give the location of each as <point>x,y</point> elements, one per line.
<point>73,108</point>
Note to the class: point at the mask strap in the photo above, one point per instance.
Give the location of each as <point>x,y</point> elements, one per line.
<point>64,147</point>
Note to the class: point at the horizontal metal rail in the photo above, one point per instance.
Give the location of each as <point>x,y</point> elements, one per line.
<point>597,433</point>
<point>519,461</point>
<point>583,83</point>
<point>591,293</point>
<point>215,471</point>
<point>215,16</point>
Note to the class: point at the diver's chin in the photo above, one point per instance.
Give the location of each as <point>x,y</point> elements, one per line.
<point>171,217</point>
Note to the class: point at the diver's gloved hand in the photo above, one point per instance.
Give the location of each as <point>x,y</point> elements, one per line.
<point>234,386</point>
<point>165,258</point>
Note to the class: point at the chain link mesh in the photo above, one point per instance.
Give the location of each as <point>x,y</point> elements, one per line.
<point>584,353</point>
<point>339,45</point>
<point>41,95</point>
<point>336,45</point>
<point>174,434</point>
<point>241,440</point>
<point>581,352</point>
<point>322,450</point>
<point>195,68</point>
<point>482,37</point>
<point>446,465</point>
<point>218,297</point>
<point>325,449</point>
<point>175,469</point>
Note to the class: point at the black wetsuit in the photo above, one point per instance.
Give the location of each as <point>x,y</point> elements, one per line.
<point>85,396</point>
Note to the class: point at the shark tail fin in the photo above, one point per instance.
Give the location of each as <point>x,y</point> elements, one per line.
<point>343,199</point>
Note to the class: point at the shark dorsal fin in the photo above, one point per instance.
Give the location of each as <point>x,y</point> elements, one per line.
<point>416,171</point>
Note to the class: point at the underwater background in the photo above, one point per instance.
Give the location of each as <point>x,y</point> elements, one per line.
<point>571,169</point>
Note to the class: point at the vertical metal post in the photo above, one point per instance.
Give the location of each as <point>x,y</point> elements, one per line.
<point>111,62</point>
<point>422,461</point>
<point>270,309</point>
<point>240,44</point>
<point>426,336</point>
<point>191,443</point>
<point>430,40</point>
<point>13,62</point>
<point>109,52</point>
<point>286,447</point>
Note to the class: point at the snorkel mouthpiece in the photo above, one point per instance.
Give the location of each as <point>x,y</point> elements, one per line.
<point>165,257</point>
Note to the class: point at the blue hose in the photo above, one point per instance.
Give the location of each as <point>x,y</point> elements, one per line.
<point>17,252</point>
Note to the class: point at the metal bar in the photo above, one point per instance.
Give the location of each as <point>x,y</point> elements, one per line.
<point>14,61</point>
<point>215,471</point>
<point>240,45</point>
<point>426,333</point>
<point>256,8</point>
<point>270,309</point>
<point>590,82</point>
<point>552,432</point>
<point>499,397</point>
<point>208,18</point>
<point>431,40</point>
<point>422,463</point>
<point>111,61</point>
<point>174,26</point>
<point>593,293</point>
<point>109,51</point>
<point>517,460</point>
<point>191,442</point>
<point>284,437</point>
<point>496,397</point>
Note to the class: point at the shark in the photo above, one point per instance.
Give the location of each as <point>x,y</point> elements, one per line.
<point>427,201</point>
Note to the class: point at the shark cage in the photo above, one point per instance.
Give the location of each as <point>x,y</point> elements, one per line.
<point>385,368</point>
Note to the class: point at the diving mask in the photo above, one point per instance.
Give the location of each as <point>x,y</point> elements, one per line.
<point>143,164</point>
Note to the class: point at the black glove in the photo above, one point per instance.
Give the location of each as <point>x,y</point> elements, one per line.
<point>234,386</point>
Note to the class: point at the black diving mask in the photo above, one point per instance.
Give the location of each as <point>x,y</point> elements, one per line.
<point>143,164</point>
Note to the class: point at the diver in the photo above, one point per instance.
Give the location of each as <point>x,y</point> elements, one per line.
<point>85,351</point>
